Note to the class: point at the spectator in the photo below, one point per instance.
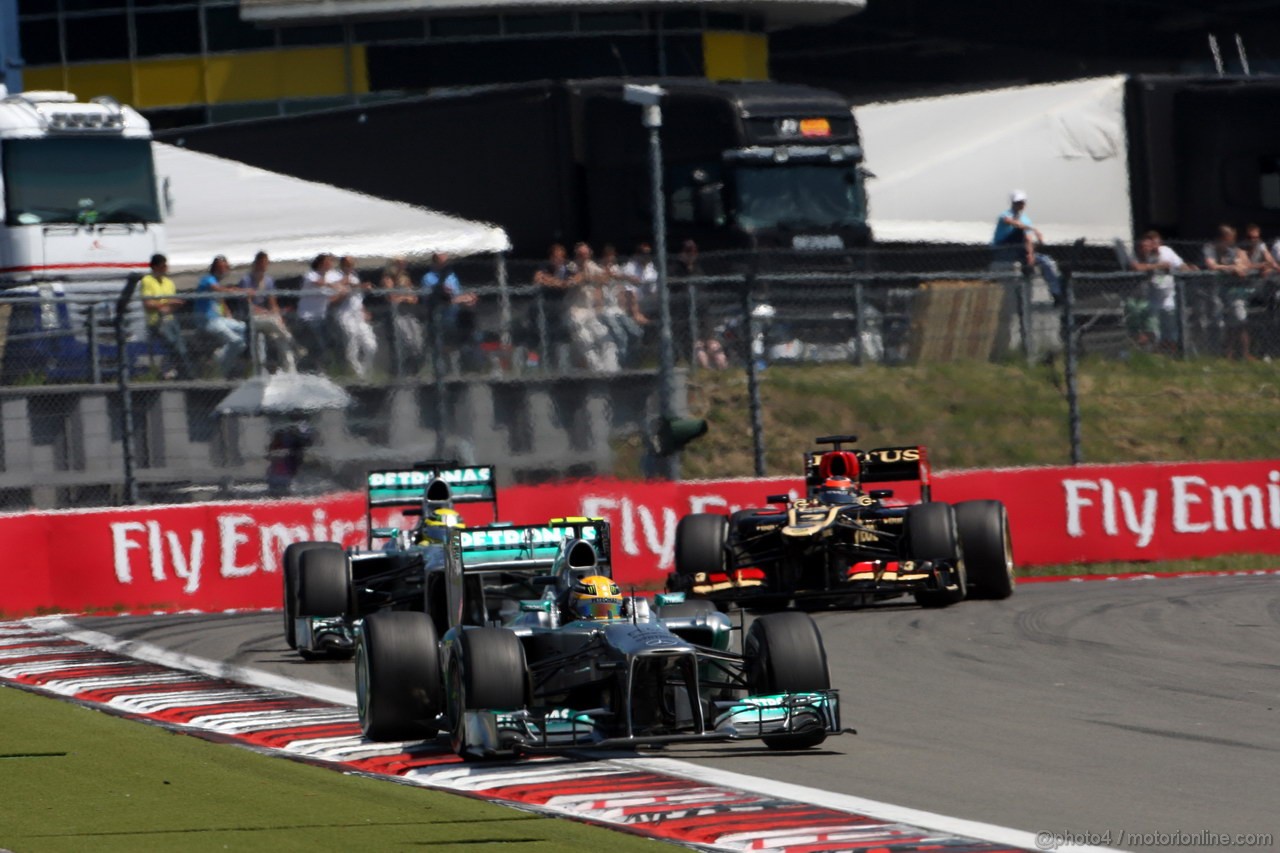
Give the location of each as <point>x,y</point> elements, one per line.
<point>453,309</point>
<point>687,262</point>
<point>320,288</point>
<point>265,316</point>
<point>1208,312</point>
<point>215,320</point>
<point>158,298</point>
<point>643,275</point>
<point>285,454</point>
<point>595,346</point>
<point>553,279</point>
<point>1261,263</point>
<point>1162,299</point>
<point>354,321</point>
<point>708,351</point>
<point>402,296</point>
<point>620,312</point>
<point>1015,241</point>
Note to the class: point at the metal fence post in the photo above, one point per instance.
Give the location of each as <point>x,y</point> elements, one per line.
<point>1184,326</point>
<point>95,359</point>
<point>1024,315</point>
<point>545,357</point>
<point>753,375</point>
<point>859,321</point>
<point>695,334</point>
<point>1070,341</point>
<point>437,370</point>
<point>504,301</point>
<point>254,340</point>
<point>126,394</point>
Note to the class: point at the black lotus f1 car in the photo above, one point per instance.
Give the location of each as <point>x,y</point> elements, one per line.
<point>327,589</point>
<point>844,544</point>
<point>515,674</point>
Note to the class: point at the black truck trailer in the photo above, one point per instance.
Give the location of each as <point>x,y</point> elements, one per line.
<point>747,165</point>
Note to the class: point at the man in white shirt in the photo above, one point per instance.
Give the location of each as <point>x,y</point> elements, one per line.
<point>361,344</point>
<point>1162,297</point>
<point>320,288</point>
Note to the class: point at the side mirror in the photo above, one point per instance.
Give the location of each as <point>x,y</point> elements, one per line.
<point>412,513</point>
<point>543,580</point>
<point>881,494</point>
<point>778,499</point>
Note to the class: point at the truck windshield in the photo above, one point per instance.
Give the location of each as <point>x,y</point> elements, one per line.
<point>82,180</point>
<point>798,195</point>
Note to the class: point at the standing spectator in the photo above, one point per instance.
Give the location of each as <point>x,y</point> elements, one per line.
<point>285,453</point>
<point>1211,313</point>
<point>1015,241</point>
<point>320,287</point>
<point>158,292</point>
<point>620,311</point>
<point>687,263</point>
<point>1162,298</point>
<point>215,319</point>
<point>360,343</point>
<point>451,308</point>
<point>552,277</point>
<point>265,315</point>
<point>1261,263</point>
<point>595,346</point>
<point>402,296</point>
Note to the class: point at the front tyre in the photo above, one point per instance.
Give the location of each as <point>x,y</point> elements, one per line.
<point>932,536</point>
<point>398,689</point>
<point>988,548</point>
<point>292,558</point>
<point>784,654</point>
<point>700,544</point>
<point>486,673</point>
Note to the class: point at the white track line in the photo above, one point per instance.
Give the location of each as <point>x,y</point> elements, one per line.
<point>813,796</point>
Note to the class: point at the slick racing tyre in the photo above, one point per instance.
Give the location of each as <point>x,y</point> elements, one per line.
<point>324,589</point>
<point>988,548</point>
<point>700,543</point>
<point>784,654</point>
<point>932,536</point>
<point>292,556</point>
<point>487,672</point>
<point>398,689</point>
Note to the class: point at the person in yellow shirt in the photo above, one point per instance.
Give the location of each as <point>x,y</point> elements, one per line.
<point>162,321</point>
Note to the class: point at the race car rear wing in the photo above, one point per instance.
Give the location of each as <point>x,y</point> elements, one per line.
<point>882,465</point>
<point>438,482</point>
<point>561,546</point>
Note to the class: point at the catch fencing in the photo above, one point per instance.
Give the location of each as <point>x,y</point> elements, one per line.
<point>552,381</point>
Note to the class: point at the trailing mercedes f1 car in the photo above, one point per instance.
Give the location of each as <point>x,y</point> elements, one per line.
<point>328,589</point>
<point>843,544</point>
<point>582,665</point>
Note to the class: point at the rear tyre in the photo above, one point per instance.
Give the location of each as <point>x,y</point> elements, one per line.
<point>988,548</point>
<point>784,654</point>
<point>324,589</point>
<point>398,689</point>
<point>932,536</point>
<point>487,672</point>
<point>700,543</point>
<point>292,556</point>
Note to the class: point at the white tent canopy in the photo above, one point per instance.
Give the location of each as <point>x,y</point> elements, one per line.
<point>945,166</point>
<point>223,207</point>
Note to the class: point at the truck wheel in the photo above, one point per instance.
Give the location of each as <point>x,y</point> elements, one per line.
<point>784,654</point>
<point>487,672</point>
<point>988,548</point>
<point>931,535</point>
<point>292,556</point>
<point>700,541</point>
<point>324,589</point>
<point>398,689</point>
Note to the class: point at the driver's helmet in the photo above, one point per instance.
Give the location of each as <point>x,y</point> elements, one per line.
<point>435,524</point>
<point>594,597</point>
<point>837,490</point>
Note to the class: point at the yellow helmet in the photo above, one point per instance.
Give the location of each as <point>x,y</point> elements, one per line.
<point>595,597</point>
<point>436,523</point>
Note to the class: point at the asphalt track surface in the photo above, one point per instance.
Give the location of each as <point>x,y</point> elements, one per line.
<point>1132,706</point>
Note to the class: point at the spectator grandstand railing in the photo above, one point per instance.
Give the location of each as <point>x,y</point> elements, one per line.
<point>63,415</point>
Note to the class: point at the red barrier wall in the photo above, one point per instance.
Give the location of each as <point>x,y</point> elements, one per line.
<point>226,555</point>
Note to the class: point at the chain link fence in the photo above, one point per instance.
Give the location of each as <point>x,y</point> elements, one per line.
<point>550,380</point>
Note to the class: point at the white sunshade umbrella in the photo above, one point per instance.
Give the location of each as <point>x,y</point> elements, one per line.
<point>284,393</point>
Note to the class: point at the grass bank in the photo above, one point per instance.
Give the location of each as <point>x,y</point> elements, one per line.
<point>980,415</point>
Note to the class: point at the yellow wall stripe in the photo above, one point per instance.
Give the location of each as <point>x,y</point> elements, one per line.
<point>735,56</point>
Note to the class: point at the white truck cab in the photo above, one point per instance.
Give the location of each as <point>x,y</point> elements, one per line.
<point>78,189</point>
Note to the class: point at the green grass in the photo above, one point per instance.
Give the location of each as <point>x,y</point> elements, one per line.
<point>1222,563</point>
<point>981,415</point>
<point>76,779</point>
